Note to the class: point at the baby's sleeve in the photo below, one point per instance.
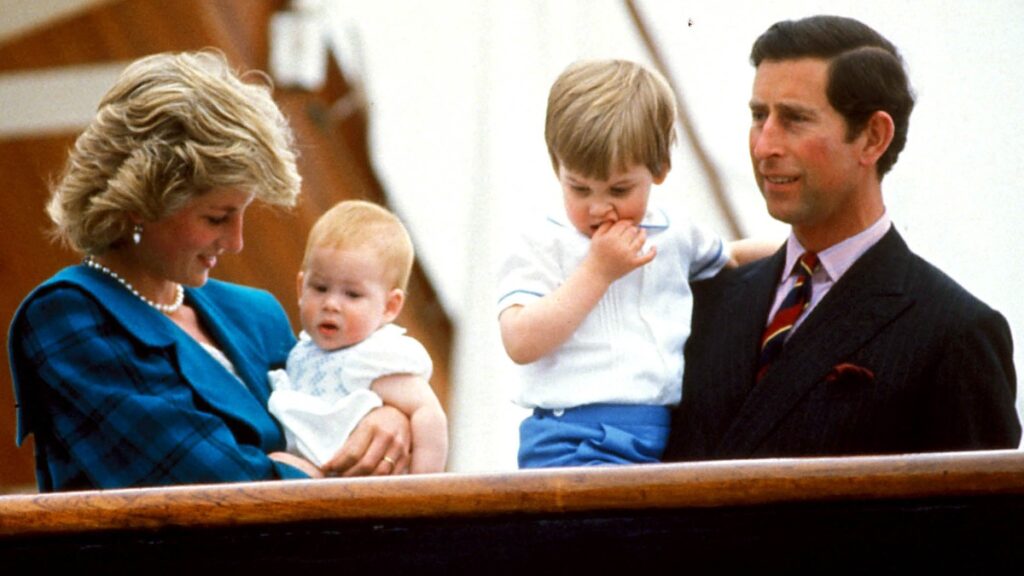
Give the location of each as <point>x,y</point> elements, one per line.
<point>388,351</point>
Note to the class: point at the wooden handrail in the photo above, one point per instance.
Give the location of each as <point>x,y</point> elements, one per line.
<point>610,489</point>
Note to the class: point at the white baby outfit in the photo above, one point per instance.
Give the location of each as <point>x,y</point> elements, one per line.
<point>324,394</point>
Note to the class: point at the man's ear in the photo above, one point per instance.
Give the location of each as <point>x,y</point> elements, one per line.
<point>878,134</point>
<point>393,304</point>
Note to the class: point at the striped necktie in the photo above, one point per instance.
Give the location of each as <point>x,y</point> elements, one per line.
<point>793,305</point>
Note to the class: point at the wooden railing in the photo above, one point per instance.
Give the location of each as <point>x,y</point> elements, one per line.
<point>947,511</point>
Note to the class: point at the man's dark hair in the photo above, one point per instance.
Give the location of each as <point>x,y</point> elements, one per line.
<point>866,72</point>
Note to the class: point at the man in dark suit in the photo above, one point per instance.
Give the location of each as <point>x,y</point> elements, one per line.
<point>865,348</point>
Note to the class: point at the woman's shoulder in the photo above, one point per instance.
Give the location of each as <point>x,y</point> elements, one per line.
<point>81,301</point>
<point>71,288</point>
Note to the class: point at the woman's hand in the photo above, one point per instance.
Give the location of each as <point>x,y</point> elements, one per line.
<point>379,446</point>
<point>297,462</point>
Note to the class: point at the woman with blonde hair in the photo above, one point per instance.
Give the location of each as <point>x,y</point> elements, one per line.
<point>135,368</point>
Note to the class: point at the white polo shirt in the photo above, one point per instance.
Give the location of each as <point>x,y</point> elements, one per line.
<point>629,349</point>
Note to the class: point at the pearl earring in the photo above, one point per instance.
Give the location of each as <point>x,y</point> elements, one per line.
<point>137,234</point>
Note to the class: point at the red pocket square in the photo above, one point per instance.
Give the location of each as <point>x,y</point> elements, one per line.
<point>847,371</point>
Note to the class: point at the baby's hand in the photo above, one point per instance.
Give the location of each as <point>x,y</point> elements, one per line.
<point>615,249</point>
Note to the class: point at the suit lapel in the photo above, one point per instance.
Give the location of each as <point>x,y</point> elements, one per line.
<point>867,298</point>
<point>749,304</point>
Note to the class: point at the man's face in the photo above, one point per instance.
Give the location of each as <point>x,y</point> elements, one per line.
<point>811,177</point>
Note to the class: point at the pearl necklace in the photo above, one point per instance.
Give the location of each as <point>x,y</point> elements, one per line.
<point>171,308</point>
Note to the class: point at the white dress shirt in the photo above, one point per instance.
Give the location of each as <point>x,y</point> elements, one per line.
<point>835,261</point>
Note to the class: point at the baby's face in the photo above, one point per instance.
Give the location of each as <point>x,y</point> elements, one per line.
<point>343,297</point>
<point>590,202</point>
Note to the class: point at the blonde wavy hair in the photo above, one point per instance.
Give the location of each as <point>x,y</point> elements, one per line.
<point>353,224</point>
<point>174,126</point>
<point>609,114</point>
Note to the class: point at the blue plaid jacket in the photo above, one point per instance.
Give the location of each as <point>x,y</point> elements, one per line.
<point>117,395</point>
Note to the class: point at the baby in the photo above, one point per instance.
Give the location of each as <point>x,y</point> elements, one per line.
<point>350,357</point>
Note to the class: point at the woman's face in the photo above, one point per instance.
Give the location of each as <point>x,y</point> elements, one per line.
<point>184,246</point>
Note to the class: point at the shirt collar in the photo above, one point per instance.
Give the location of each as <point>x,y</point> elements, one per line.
<point>837,259</point>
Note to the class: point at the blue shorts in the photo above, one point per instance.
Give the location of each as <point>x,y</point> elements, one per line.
<point>594,435</point>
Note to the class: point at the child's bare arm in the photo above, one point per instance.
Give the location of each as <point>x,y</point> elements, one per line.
<point>535,330</point>
<point>413,396</point>
<point>748,250</point>
<point>297,462</point>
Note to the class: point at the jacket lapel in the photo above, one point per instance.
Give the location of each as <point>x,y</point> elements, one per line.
<point>241,400</point>
<point>141,320</point>
<point>239,350</point>
<point>867,298</point>
<point>749,304</point>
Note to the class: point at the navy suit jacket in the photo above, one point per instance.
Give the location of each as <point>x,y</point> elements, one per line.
<point>897,358</point>
<point>117,395</point>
